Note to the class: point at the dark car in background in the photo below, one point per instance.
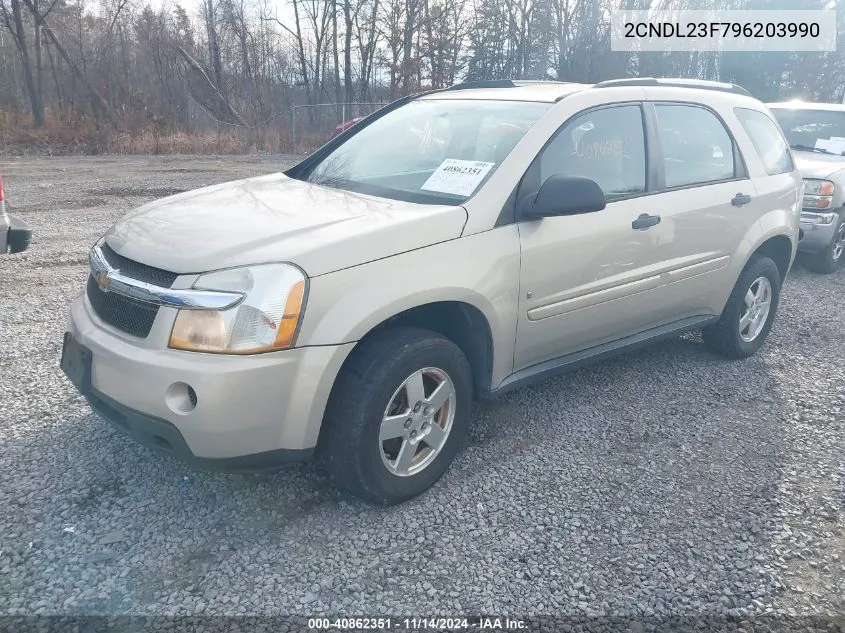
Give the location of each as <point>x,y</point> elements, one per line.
<point>14,234</point>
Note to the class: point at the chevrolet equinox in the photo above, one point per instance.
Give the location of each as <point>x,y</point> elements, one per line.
<point>450,247</point>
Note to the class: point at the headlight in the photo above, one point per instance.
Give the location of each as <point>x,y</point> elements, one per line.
<point>266,319</point>
<point>818,187</point>
<point>818,194</point>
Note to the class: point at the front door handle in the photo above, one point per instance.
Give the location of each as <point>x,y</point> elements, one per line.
<point>645,221</point>
<point>740,199</point>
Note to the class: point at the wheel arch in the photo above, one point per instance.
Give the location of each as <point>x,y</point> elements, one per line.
<point>459,321</point>
<point>774,243</point>
<point>780,249</point>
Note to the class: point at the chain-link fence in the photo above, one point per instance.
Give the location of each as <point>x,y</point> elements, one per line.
<point>298,129</point>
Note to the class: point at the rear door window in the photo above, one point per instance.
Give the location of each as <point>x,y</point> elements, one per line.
<point>696,147</point>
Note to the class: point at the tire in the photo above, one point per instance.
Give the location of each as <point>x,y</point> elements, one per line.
<point>830,259</point>
<point>726,337</point>
<point>373,379</point>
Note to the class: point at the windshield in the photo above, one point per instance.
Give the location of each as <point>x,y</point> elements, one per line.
<point>819,130</point>
<point>429,151</point>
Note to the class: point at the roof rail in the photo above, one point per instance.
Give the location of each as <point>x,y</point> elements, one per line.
<point>501,83</point>
<point>702,84</point>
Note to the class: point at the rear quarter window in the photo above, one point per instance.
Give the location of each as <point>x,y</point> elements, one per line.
<point>767,139</point>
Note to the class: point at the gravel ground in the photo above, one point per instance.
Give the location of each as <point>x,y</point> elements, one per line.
<point>665,482</point>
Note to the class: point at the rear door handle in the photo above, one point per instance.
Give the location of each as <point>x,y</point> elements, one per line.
<point>645,221</point>
<point>740,199</point>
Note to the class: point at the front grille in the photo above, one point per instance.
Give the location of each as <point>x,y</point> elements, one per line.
<point>129,315</point>
<point>137,270</point>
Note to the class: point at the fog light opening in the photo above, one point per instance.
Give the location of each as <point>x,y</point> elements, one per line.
<point>181,398</point>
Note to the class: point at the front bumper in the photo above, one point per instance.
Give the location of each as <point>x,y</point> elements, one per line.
<point>817,236</point>
<point>248,411</point>
<point>164,437</point>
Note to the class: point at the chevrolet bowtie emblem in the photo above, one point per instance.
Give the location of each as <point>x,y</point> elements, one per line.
<point>103,280</point>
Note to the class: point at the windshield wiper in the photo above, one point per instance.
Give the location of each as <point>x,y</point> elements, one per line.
<point>807,148</point>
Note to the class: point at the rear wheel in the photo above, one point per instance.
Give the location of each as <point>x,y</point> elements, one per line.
<point>749,313</point>
<point>829,260</point>
<point>398,415</point>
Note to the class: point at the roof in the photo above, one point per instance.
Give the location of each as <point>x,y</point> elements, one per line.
<point>797,104</point>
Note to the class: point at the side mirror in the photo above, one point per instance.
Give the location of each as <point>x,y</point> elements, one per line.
<point>565,195</point>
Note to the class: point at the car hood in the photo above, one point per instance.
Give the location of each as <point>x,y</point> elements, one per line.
<point>276,218</point>
<point>815,165</point>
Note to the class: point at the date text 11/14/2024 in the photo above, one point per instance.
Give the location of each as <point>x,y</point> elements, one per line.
<point>417,624</point>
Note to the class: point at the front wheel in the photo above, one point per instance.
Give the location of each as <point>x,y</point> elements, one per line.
<point>398,415</point>
<point>829,260</point>
<point>749,313</point>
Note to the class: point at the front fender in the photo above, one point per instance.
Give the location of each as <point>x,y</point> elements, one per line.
<point>480,270</point>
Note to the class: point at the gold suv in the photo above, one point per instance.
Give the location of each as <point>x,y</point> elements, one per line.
<point>450,247</point>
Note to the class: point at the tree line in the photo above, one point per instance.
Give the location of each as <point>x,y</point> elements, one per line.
<point>106,75</point>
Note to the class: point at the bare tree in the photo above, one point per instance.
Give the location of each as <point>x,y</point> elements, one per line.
<point>238,66</point>
<point>13,21</point>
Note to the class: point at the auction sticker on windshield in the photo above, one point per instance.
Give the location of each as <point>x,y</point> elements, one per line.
<point>457,177</point>
<point>834,145</point>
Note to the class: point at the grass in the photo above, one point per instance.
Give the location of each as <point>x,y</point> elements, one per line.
<point>89,137</point>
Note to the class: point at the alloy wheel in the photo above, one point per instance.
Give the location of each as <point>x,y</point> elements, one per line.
<point>417,421</point>
<point>755,310</point>
<point>839,242</point>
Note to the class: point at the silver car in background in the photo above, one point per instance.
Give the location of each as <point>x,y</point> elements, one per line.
<point>816,134</point>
